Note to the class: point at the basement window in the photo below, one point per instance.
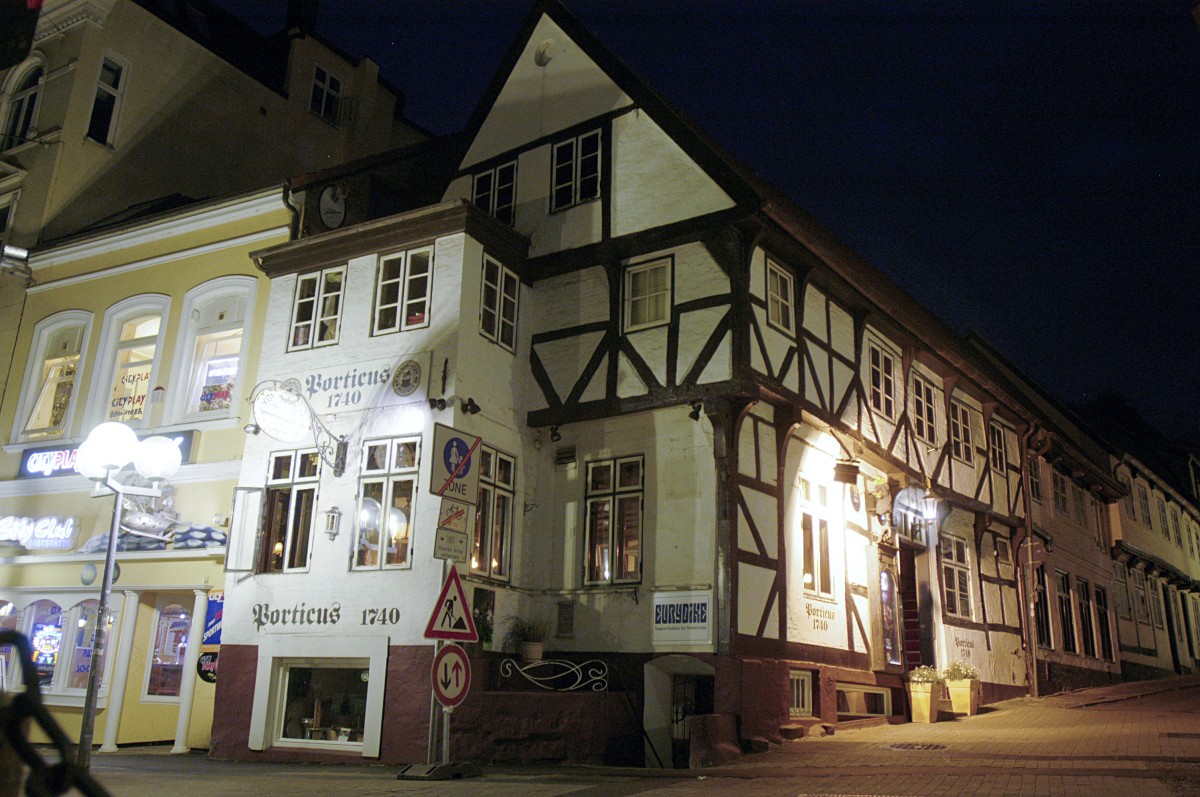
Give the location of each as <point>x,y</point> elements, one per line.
<point>857,702</point>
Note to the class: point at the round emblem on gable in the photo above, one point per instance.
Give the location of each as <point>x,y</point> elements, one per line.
<point>406,378</point>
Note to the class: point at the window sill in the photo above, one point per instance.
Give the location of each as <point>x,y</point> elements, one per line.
<point>73,700</point>
<point>644,327</point>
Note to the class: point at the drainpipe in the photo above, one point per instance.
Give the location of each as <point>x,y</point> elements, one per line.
<point>296,208</point>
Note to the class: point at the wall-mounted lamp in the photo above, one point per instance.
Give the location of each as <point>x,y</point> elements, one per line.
<point>554,435</point>
<point>437,404</point>
<point>251,428</point>
<point>929,506</point>
<point>845,472</point>
<point>333,522</point>
<point>697,408</point>
<point>470,407</point>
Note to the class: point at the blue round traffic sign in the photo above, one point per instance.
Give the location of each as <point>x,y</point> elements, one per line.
<point>453,456</point>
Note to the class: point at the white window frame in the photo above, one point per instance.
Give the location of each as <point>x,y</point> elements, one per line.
<point>101,385</point>
<point>924,409</point>
<point>494,191</point>
<point>319,311</point>
<point>43,332</point>
<point>781,309</point>
<point>499,303</point>
<point>998,449</point>
<point>667,294</point>
<point>238,293</point>
<point>495,491</point>
<point>881,379</point>
<point>296,483</point>
<point>405,283</point>
<point>860,689</point>
<point>116,92</point>
<point>394,470</point>
<point>956,569</point>
<point>816,521</point>
<point>322,92</point>
<point>961,445</point>
<point>567,171</point>
<point>164,601</point>
<point>57,692</point>
<point>23,105</point>
<point>799,693</point>
<point>610,496</point>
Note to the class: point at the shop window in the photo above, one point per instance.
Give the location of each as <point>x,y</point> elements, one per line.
<point>800,693</point>
<point>817,571</point>
<point>21,125</point>
<point>576,171</point>
<point>52,374</point>
<point>492,540</point>
<point>387,488</point>
<point>62,644</point>
<point>494,192</point>
<point>1066,617</point>
<point>9,620</point>
<point>854,701</point>
<point>213,348</point>
<point>291,498</point>
<point>402,291</point>
<point>324,705</point>
<point>317,310</point>
<point>614,502</point>
<point>168,648</point>
<point>881,370</point>
<point>648,294</point>
<point>961,447</point>
<point>106,107</point>
<point>498,304</point>
<point>956,577</point>
<point>779,297</point>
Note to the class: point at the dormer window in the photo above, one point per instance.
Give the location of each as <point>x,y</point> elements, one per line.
<point>21,124</point>
<point>576,171</point>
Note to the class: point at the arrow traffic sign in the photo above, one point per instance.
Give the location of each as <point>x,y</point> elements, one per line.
<point>451,675</point>
<point>451,618</point>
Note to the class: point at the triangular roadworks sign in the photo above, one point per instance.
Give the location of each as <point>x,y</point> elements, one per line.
<point>451,618</point>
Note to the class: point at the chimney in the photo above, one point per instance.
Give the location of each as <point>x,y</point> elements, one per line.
<point>301,17</point>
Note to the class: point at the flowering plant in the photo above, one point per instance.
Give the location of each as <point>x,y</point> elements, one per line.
<point>961,671</point>
<point>923,675</point>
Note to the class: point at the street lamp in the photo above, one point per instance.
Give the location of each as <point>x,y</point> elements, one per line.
<point>108,449</point>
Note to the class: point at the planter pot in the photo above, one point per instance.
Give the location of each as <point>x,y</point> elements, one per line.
<point>965,695</point>
<point>532,651</point>
<point>926,701</point>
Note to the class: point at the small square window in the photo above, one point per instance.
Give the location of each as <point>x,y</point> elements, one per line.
<point>648,295</point>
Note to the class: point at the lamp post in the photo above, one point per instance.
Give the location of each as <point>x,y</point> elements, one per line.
<point>108,449</point>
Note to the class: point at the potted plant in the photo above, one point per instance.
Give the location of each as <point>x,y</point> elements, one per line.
<point>962,681</point>
<point>924,693</point>
<point>526,637</point>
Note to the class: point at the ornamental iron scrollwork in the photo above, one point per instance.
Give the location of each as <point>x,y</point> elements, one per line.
<point>559,675</point>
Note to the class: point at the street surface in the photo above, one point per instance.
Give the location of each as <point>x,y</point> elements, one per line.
<point>1138,739</point>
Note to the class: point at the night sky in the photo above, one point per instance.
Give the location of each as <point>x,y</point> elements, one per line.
<point>1028,170</point>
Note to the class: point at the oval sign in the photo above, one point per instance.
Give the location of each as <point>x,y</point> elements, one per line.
<point>282,414</point>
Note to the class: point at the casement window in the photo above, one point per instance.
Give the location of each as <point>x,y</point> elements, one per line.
<point>1121,591</point>
<point>317,311</point>
<point>1144,503</point>
<point>1175,527</point>
<point>1066,615</point>
<point>648,294</point>
<point>855,701</point>
<point>62,645</point>
<point>924,417</point>
<point>137,347</point>
<point>1127,501</point>
<point>780,303</point>
<point>998,449</point>
<point>52,374</point>
<point>498,304</point>
<point>491,544</point>
<point>326,97</point>
<point>1077,505</point>
<point>1103,629</point>
<point>1003,552</point>
<point>1141,603</point>
<point>495,192</point>
<point>387,488</point>
<point>613,500</point>
<point>168,649</point>
<point>800,693</point>
<point>956,577</point>
<point>1035,479</point>
<point>576,171</point>
<point>1162,519</point>
<point>882,367</point>
<point>1060,491</point>
<point>1042,608</point>
<point>21,125</point>
<point>209,358</point>
<point>1083,596</point>
<point>961,447</point>
<point>106,107</point>
<point>816,569</point>
<point>402,291</point>
<point>291,500</point>
<point>1156,602</point>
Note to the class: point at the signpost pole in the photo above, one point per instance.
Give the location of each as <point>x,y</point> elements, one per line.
<point>446,736</point>
<point>431,750</point>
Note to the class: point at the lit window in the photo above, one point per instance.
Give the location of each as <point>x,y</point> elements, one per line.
<point>495,192</point>
<point>9,621</point>
<point>402,291</point>
<point>492,541</point>
<point>168,648</point>
<point>576,171</point>
<point>21,125</point>
<point>325,705</point>
<point>779,296</point>
<point>326,98</point>
<point>110,88</point>
<point>956,576</point>
<point>1066,617</point>
<point>816,570</point>
<point>291,498</point>
<point>52,374</point>
<point>136,349</point>
<point>498,304</point>
<point>998,450</point>
<point>614,494</point>
<point>883,384</point>
<point>62,644</point>
<point>923,410</point>
<point>960,433</point>
<point>317,312</point>
<point>211,349</point>
<point>387,489</point>
<point>647,295</point>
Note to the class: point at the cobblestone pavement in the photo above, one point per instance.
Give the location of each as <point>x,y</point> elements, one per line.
<point>1141,739</point>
